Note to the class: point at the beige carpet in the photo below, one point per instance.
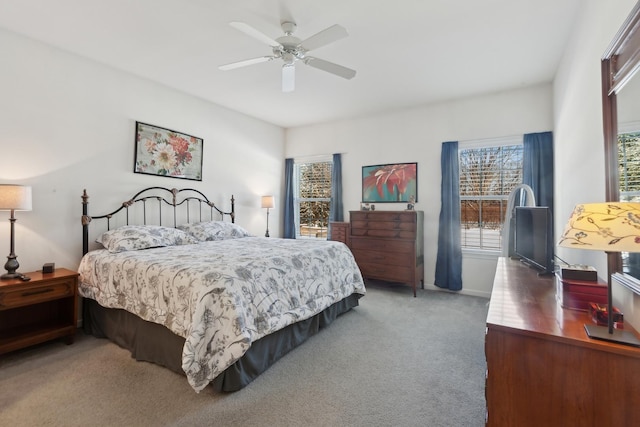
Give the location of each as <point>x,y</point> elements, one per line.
<point>393,361</point>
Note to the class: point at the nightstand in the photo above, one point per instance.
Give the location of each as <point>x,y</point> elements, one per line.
<point>42,309</point>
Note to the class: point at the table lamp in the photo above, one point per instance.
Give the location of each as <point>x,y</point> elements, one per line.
<point>13,198</point>
<point>267,202</point>
<point>610,227</point>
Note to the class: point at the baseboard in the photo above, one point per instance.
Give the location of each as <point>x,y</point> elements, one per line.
<point>469,292</point>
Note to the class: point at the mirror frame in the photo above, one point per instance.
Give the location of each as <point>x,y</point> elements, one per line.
<point>620,62</point>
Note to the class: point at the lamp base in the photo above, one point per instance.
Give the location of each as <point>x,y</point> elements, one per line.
<point>618,336</point>
<point>9,276</point>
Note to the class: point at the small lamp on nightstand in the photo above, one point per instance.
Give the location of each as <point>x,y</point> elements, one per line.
<point>267,202</point>
<point>13,198</point>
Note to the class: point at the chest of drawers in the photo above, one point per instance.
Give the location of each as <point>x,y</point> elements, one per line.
<point>388,245</point>
<point>340,232</point>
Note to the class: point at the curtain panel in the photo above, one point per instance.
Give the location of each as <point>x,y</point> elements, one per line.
<point>537,166</point>
<point>289,225</point>
<point>449,259</point>
<point>335,206</point>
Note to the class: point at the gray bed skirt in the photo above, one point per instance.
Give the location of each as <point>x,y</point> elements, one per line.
<point>155,343</point>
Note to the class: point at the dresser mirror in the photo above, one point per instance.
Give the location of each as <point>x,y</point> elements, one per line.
<point>621,115</point>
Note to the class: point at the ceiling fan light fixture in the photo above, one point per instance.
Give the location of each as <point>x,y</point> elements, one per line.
<point>288,77</point>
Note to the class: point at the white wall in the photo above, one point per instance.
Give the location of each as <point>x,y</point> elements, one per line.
<point>416,135</point>
<point>67,123</point>
<point>579,138</point>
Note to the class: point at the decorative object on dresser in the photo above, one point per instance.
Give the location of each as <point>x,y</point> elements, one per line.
<point>388,245</point>
<point>268,203</point>
<point>579,272</point>
<point>610,227</point>
<point>391,183</point>
<point>165,152</point>
<point>42,309</point>
<point>14,198</point>
<point>577,294</point>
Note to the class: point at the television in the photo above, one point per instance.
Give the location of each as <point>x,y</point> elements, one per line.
<point>534,237</point>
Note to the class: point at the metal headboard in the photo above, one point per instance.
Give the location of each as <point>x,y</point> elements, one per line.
<point>187,198</point>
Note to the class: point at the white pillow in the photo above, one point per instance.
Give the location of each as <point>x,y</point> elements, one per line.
<point>136,237</point>
<point>214,230</point>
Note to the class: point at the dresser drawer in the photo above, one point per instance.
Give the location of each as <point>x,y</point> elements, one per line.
<point>384,245</point>
<point>403,216</point>
<point>26,294</point>
<point>399,234</point>
<point>391,273</point>
<point>378,256</point>
<point>384,225</point>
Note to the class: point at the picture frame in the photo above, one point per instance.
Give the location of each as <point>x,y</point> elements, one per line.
<point>164,152</point>
<point>390,183</point>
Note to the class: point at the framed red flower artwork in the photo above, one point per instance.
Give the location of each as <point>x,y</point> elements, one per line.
<point>390,183</point>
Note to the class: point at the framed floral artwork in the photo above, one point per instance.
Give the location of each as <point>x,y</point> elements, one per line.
<point>165,152</point>
<point>390,183</point>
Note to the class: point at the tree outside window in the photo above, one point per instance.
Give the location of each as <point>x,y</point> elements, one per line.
<point>313,197</point>
<point>487,177</point>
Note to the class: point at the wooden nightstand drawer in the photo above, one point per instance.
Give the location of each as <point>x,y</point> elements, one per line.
<point>36,293</point>
<point>42,309</point>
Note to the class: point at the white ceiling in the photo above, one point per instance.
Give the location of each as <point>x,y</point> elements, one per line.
<point>406,52</point>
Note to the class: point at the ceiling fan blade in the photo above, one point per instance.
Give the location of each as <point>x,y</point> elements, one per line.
<point>246,62</point>
<point>330,67</point>
<point>288,77</point>
<point>324,37</point>
<point>250,31</point>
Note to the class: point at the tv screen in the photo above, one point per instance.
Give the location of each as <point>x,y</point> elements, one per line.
<point>534,237</point>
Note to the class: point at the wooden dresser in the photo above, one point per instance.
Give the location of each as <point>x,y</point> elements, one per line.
<point>542,369</point>
<point>340,232</point>
<point>388,245</point>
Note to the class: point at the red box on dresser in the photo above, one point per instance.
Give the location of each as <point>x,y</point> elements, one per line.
<point>577,294</point>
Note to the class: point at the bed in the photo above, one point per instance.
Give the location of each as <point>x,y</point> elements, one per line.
<point>187,288</point>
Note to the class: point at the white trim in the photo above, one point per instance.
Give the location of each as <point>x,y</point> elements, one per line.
<point>313,159</point>
<point>491,142</point>
<point>481,253</point>
<point>629,127</point>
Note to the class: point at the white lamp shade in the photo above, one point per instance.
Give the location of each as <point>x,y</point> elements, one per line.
<point>608,226</point>
<point>15,197</point>
<point>267,202</point>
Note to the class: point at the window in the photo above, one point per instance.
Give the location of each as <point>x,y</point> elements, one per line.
<point>629,166</point>
<point>313,197</point>
<point>488,174</point>
<point>629,186</point>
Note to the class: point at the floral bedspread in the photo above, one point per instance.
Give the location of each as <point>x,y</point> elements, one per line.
<point>221,296</point>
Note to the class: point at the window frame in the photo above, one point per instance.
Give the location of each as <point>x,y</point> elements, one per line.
<point>297,200</point>
<point>624,129</point>
<point>479,144</point>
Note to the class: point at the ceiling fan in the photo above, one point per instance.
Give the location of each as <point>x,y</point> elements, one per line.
<point>291,50</point>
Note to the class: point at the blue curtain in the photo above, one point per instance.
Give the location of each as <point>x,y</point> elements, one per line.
<point>289,213</point>
<point>449,258</point>
<point>335,206</point>
<point>537,166</point>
